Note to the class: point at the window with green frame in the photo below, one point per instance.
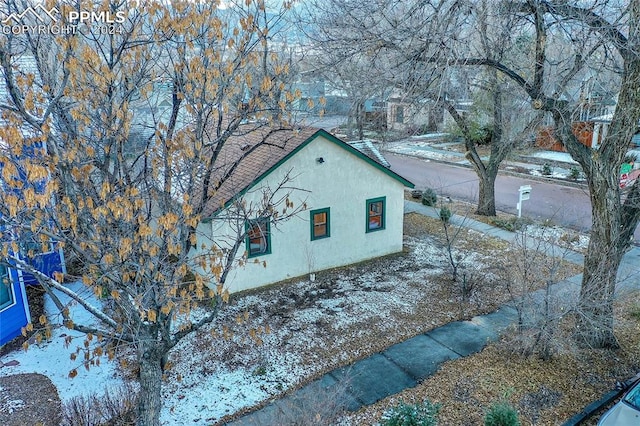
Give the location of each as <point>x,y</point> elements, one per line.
<point>320,224</point>
<point>258,237</point>
<point>376,214</point>
<point>6,295</point>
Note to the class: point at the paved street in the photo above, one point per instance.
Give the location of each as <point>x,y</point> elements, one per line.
<point>566,206</point>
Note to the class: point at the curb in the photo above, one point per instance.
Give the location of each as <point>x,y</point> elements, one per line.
<point>588,411</point>
<point>592,408</point>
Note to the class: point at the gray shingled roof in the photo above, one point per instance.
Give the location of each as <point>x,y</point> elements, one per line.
<point>368,148</point>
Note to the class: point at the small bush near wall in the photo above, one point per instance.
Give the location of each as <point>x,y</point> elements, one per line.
<point>574,173</point>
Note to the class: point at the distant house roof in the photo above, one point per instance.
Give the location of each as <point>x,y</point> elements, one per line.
<point>249,158</point>
<point>367,147</point>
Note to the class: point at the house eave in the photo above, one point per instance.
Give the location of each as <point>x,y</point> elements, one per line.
<point>328,136</point>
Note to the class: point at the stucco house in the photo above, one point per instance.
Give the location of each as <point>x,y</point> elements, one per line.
<point>350,207</point>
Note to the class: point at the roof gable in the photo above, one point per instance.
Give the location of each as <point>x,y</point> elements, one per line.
<point>276,149</point>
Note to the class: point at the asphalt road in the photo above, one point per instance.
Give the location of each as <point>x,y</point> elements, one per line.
<point>564,205</point>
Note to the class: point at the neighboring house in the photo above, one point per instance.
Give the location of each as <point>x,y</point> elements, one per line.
<point>375,113</point>
<point>14,308</point>
<point>583,130</point>
<point>352,208</point>
<point>590,133</point>
<point>413,116</point>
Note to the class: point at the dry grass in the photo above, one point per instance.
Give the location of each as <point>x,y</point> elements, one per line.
<point>543,392</point>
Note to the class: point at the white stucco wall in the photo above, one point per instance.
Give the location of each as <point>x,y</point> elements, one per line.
<point>343,182</point>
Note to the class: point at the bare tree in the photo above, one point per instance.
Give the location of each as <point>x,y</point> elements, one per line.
<point>347,67</point>
<point>419,43</point>
<point>532,275</point>
<point>114,142</point>
<point>611,33</point>
<point>560,42</point>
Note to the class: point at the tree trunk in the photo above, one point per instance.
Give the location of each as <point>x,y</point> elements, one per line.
<point>604,254</point>
<point>150,355</point>
<point>360,113</point>
<point>487,195</point>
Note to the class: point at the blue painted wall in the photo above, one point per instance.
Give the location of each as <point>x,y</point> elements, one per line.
<point>16,315</point>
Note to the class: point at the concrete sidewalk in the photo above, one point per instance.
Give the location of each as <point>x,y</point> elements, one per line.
<point>399,367</point>
<point>405,364</point>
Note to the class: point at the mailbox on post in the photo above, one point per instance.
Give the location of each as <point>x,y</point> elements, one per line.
<point>525,193</point>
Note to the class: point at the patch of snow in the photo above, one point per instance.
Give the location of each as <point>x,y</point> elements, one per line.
<point>554,174</point>
<point>563,157</point>
<point>559,236</point>
<point>431,136</point>
<point>201,399</point>
<point>52,357</point>
<point>9,406</point>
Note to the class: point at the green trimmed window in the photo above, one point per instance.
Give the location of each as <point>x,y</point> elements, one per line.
<point>320,224</point>
<point>258,237</point>
<point>376,214</point>
<point>6,295</point>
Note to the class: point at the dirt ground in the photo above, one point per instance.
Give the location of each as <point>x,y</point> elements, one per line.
<point>29,399</point>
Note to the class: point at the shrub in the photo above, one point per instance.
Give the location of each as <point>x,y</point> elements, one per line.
<point>114,407</point>
<point>634,311</point>
<point>319,405</point>
<point>570,238</point>
<point>501,414</point>
<point>260,371</point>
<point>574,173</point>
<point>546,169</point>
<point>429,197</point>
<point>425,414</point>
<point>512,224</point>
<point>416,193</point>
<point>445,214</point>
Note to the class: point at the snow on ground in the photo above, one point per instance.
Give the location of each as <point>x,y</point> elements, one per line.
<point>423,150</point>
<point>432,136</point>
<point>227,367</point>
<point>52,358</point>
<point>275,339</point>
<point>562,157</point>
<point>218,377</point>
<point>555,174</point>
<point>559,236</point>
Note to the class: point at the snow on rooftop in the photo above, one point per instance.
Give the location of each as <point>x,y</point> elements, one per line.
<point>367,147</point>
